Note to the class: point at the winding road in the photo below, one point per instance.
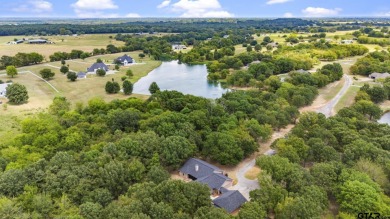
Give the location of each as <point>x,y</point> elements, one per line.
<point>245,185</point>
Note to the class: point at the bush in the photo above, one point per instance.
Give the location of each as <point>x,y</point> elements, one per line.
<point>72,76</point>
<point>127,87</point>
<point>112,87</point>
<point>64,69</point>
<point>129,73</point>
<point>123,78</point>
<point>17,93</point>
<point>46,73</point>
<point>101,72</point>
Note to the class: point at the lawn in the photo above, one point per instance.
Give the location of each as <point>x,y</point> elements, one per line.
<point>62,44</point>
<point>41,94</point>
<point>348,99</point>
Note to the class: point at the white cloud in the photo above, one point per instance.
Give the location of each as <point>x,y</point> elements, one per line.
<point>94,8</point>
<point>271,2</point>
<point>385,14</point>
<point>35,6</point>
<point>132,15</point>
<point>89,5</point>
<point>320,12</point>
<point>288,15</point>
<point>164,4</point>
<point>200,8</point>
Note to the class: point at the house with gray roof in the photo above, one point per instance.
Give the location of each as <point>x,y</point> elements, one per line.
<point>38,41</point>
<point>377,75</point>
<point>124,60</point>
<point>96,66</point>
<point>216,181</point>
<point>212,176</point>
<point>195,169</point>
<point>230,201</point>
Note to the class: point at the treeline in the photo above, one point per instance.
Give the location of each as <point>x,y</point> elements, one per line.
<point>20,59</point>
<point>368,40</point>
<point>378,61</point>
<point>179,26</point>
<point>324,50</point>
<point>343,160</point>
<point>74,54</point>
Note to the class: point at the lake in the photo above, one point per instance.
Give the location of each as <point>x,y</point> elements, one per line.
<point>187,79</point>
<point>385,119</point>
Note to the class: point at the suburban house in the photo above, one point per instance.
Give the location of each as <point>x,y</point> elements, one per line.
<point>3,90</point>
<point>346,41</point>
<point>301,71</point>
<point>274,44</point>
<point>377,75</point>
<point>178,47</point>
<point>218,182</point>
<point>16,42</point>
<point>124,60</point>
<point>96,66</point>
<point>226,36</point>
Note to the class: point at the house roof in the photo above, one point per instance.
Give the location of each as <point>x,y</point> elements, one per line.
<point>96,66</point>
<point>230,201</point>
<point>38,40</point>
<point>125,57</point>
<point>214,181</point>
<point>301,71</point>
<point>3,87</point>
<point>199,168</point>
<point>377,75</point>
<point>81,75</point>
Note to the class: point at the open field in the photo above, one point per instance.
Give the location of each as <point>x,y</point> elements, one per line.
<point>62,44</point>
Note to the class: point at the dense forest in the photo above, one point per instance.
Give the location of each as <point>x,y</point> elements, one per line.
<point>181,26</point>
<point>111,160</point>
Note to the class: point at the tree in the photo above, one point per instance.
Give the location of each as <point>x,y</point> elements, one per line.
<point>356,197</point>
<point>129,73</point>
<point>72,76</point>
<point>252,210</point>
<point>176,149</point>
<point>63,62</point>
<point>117,67</point>
<point>127,87</point>
<point>258,47</point>
<point>11,71</point>
<point>64,69</point>
<point>377,94</point>
<point>101,72</point>
<point>154,88</point>
<point>46,73</point>
<point>112,87</point>
<point>59,106</point>
<point>141,55</point>
<point>99,60</point>
<point>16,93</point>
<point>249,48</point>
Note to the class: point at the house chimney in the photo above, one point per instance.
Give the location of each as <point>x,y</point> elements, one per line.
<point>196,167</point>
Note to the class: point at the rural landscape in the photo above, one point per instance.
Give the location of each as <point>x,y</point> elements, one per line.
<point>205,114</point>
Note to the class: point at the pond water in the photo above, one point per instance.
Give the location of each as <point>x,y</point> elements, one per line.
<point>385,119</point>
<point>187,79</point>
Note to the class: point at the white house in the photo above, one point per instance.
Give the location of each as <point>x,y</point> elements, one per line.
<point>178,47</point>
<point>346,41</point>
<point>3,90</point>
<point>125,60</point>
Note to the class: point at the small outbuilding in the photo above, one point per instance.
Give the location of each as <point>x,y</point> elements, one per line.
<point>38,41</point>
<point>377,75</point>
<point>81,75</point>
<point>124,60</point>
<point>3,89</point>
<point>96,66</point>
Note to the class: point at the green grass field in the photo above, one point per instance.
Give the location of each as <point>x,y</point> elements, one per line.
<point>62,44</point>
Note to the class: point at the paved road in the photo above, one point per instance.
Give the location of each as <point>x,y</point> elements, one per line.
<point>245,185</point>
<point>328,108</point>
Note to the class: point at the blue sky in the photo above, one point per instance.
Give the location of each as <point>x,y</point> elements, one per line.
<point>193,8</point>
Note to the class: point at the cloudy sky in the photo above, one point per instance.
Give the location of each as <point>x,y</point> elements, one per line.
<point>193,8</point>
